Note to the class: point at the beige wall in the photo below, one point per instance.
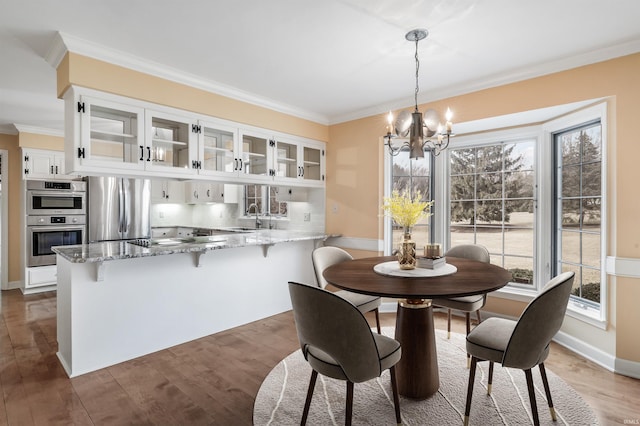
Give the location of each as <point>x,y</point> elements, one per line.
<point>13,194</point>
<point>354,176</point>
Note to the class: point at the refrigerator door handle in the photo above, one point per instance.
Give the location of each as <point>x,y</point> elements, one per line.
<point>120,206</point>
<point>125,224</point>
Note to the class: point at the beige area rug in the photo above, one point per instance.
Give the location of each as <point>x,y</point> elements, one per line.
<point>280,399</point>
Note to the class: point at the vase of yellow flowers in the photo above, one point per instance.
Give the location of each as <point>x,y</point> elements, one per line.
<point>406,212</point>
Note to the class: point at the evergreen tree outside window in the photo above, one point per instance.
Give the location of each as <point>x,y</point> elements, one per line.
<point>578,209</point>
<point>492,202</point>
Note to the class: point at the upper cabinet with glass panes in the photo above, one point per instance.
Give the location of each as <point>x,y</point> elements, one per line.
<point>111,134</point>
<point>217,149</point>
<point>170,143</point>
<point>298,161</point>
<point>107,135</point>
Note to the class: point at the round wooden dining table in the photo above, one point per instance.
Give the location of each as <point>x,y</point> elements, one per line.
<point>417,371</point>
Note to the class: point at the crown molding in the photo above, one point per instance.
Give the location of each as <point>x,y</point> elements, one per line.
<point>487,82</point>
<point>64,43</point>
<point>24,128</point>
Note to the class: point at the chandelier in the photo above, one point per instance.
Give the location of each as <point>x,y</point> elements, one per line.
<point>427,132</point>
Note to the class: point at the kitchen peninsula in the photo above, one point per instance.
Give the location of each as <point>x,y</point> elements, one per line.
<point>118,300</point>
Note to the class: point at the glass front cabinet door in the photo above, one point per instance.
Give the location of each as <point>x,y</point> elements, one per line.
<point>171,143</point>
<point>217,149</point>
<point>299,160</point>
<point>110,134</point>
<point>255,156</point>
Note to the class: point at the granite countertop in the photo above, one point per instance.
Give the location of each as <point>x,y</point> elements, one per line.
<point>114,250</point>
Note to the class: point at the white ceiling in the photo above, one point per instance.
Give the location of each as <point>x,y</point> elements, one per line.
<point>326,60</point>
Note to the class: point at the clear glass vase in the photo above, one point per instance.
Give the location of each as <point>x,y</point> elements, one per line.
<point>407,251</point>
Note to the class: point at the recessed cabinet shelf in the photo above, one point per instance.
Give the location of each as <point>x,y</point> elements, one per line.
<point>215,148</point>
<point>287,160</point>
<point>170,142</point>
<point>311,163</point>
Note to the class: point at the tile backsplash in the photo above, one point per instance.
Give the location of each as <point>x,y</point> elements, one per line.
<point>309,215</point>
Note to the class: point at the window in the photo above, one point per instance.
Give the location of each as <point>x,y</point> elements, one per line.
<point>492,203</point>
<point>578,209</point>
<point>264,197</point>
<point>414,176</point>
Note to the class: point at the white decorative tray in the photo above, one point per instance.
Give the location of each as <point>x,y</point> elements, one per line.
<point>392,269</point>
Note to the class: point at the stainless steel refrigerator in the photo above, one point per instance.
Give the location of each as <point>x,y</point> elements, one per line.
<point>118,208</point>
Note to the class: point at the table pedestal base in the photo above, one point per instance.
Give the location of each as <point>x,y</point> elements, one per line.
<point>417,371</point>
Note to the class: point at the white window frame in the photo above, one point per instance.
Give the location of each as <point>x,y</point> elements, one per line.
<point>443,200</point>
<point>596,317</point>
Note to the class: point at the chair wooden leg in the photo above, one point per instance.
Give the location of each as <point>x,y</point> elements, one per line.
<point>468,317</point>
<point>490,380</point>
<point>472,377</point>
<point>547,391</point>
<point>349,408</point>
<point>478,315</point>
<point>396,399</point>
<point>377,319</point>
<point>307,403</point>
<point>532,397</point>
<point>448,323</point>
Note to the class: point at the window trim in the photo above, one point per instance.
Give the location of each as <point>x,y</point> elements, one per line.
<point>492,138</point>
<point>387,242</point>
<point>598,318</point>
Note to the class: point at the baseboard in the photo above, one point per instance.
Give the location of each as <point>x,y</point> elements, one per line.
<point>12,285</point>
<point>627,368</point>
<point>41,289</point>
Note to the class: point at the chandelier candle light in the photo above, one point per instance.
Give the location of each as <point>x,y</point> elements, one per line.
<point>423,133</point>
<point>406,212</point>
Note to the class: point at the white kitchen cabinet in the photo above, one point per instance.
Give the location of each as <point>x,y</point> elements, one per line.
<point>170,143</point>
<point>43,164</point>
<point>199,192</point>
<point>293,193</point>
<point>40,277</point>
<point>218,150</point>
<point>298,160</point>
<point>111,134</point>
<point>167,191</point>
<point>255,155</point>
<point>102,134</point>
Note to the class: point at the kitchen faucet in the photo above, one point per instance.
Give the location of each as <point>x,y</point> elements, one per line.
<point>258,222</point>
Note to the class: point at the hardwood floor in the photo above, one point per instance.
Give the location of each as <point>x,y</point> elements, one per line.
<point>212,380</point>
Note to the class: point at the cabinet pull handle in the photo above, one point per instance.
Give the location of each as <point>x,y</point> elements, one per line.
<point>148,153</point>
<point>240,165</point>
<point>195,195</point>
<point>56,169</point>
<point>51,169</point>
<point>302,171</point>
<point>164,194</point>
<point>208,193</point>
<point>141,153</point>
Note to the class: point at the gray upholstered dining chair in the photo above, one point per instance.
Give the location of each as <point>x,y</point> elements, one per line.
<point>322,258</point>
<point>466,304</point>
<point>524,343</point>
<point>337,342</point>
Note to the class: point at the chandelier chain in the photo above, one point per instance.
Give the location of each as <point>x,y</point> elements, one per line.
<point>417,72</point>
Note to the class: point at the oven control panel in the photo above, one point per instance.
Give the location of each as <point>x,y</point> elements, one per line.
<point>72,219</point>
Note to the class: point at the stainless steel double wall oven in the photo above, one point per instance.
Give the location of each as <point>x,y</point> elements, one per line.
<point>56,216</point>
